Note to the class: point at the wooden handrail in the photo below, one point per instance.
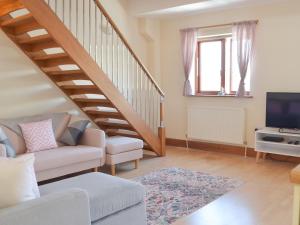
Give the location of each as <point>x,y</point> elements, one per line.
<point>115,27</point>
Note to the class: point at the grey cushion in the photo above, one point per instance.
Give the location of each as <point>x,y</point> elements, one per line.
<point>74,132</point>
<point>118,144</point>
<point>10,151</point>
<point>107,194</point>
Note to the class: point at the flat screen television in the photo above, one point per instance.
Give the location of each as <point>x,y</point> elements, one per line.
<point>283,110</point>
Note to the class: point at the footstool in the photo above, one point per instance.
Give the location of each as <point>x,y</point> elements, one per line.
<point>112,200</point>
<point>121,149</point>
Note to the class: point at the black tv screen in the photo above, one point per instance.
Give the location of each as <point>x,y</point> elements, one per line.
<point>283,110</point>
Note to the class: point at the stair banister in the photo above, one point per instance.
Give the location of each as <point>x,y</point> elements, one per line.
<point>162,95</point>
<point>162,129</point>
<point>117,59</point>
<point>107,16</point>
<point>109,48</point>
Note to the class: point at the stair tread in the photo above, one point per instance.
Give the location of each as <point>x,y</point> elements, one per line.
<point>37,39</point>
<point>115,124</point>
<point>72,87</point>
<point>101,112</point>
<point>72,90</point>
<point>65,72</point>
<point>85,102</point>
<point>69,77</point>
<point>90,100</point>
<point>110,132</point>
<point>105,114</point>
<point>12,6</point>
<point>51,56</point>
<point>18,21</point>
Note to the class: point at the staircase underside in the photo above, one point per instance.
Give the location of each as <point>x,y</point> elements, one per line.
<point>83,82</point>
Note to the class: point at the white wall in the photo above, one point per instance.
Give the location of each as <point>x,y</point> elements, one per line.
<point>276,62</point>
<point>150,29</point>
<point>143,35</point>
<point>25,90</point>
<point>129,27</point>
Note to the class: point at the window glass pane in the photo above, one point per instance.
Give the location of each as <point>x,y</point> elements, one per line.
<point>210,66</point>
<point>235,80</point>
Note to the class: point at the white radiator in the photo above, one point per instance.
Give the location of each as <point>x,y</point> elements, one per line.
<point>217,124</point>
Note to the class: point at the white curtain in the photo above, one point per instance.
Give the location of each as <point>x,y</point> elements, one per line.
<point>243,35</point>
<point>188,44</point>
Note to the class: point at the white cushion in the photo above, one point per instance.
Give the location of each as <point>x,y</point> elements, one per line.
<point>18,181</point>
<point>118,144</point>
<point>66,155</point>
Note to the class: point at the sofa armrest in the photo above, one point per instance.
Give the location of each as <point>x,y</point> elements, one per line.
<point>93,137</point>
<point>2,151</point>
<point>63,208</point>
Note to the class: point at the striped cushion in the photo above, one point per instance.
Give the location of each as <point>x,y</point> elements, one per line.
<point>73,132</point>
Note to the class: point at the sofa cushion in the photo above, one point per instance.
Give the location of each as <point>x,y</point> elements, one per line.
<point>18,181</point>
<point>118,144</point>
<point>66,155</point>
<point>59,120</point>
<point>38,136</point>
<point>74,132</point>
<point>107,194</point>
<point>14,134</point>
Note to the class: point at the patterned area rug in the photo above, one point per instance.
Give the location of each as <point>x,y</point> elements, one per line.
<point>173,193</point>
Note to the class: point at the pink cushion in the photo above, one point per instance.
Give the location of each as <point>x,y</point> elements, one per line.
<point>38,136</point>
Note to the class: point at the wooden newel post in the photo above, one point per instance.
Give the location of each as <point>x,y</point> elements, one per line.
<point>162,129</point>
<point>295,179</point>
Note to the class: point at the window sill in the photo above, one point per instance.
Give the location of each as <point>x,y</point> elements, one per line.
<point>220,96</point>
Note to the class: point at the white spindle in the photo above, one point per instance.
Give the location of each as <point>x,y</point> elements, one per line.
<point>104,44</point>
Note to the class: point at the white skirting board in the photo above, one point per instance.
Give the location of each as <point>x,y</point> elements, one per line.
<point>217,124</point>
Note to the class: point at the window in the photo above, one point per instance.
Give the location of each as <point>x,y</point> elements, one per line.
<point>217,71</point>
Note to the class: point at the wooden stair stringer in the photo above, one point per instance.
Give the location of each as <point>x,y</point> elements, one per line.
<point>57,30</point>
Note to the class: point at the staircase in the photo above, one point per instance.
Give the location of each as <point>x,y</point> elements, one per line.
<point>78,46</point>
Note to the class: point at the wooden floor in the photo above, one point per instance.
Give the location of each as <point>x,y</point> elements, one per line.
<point>264,199</point>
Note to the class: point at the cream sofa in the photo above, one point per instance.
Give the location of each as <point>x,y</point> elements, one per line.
<point>90,153</point>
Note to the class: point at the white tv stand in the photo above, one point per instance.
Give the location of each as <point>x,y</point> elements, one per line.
<point>281,148</point>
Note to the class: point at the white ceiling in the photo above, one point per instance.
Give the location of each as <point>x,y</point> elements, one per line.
<point>161,8</point>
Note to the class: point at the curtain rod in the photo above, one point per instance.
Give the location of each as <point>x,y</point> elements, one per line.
<point>219,25</point>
